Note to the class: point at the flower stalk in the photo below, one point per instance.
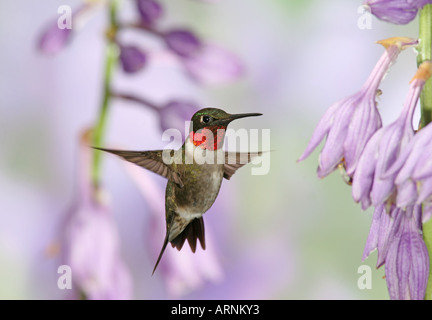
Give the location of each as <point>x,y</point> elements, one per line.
<point>111,57</point>
<point>425,53</point>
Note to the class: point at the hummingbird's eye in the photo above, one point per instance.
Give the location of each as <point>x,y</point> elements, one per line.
<point>206,119</point>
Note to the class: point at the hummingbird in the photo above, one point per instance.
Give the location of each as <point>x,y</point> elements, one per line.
<point>194,172</point>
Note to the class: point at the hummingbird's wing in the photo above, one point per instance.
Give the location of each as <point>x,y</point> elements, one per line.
<point>236,160</point>
<point>150,160</point>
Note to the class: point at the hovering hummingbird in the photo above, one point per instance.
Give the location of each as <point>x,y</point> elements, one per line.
<point>194,173</point>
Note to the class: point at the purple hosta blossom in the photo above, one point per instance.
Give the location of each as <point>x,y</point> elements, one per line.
<point>182,271</point>
<point>205,63</point>
<point>411,168</point>
<point>414,170</point>
<point>411,171</point>
<point>396,234</point>
<point>395,11</point>
<point>371,183</point>
<point>384,224</point>
<point>132,58</point>
<point>53,39</point>
<point>56,35</point>
<point>213,65</point>
<point>90,243</point>
<point>149,10</point>
<point>182,42</point>
<point>174,114</point>
<point>407,261</point>
<point>350,123</point>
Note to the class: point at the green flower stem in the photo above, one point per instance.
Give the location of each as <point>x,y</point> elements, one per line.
<point>111,57</point>
<point>425,53</point>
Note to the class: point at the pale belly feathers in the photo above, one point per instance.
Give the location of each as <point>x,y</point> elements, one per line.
<point>201,181</point>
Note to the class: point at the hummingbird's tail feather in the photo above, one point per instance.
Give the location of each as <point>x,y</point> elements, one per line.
<point>161,253</point>
<point>193,231</point>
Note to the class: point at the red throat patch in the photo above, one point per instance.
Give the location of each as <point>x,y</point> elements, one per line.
<point>208,138</point>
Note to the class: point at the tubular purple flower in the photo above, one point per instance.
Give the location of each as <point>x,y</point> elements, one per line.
<point>412,188</point>
<point>174,114</point>
<point>406,194</point>
<point>397,237</point>
<point>213,65</point>
<point>412,166</point>
<point>363,178</point>
<point>90,243</point>
<point>423,168</point>
<point>385,223</point>
<point>149,10</point>
<point>407,261</point>
<point>411,155</point>
<point>351,122</point>
<point>371,183</point>
<point>54,39</point>
<point>183,42</point>
<point>132,58</point>
<point>395,11</point>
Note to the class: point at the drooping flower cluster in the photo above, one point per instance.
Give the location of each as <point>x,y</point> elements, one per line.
<point>90,240</point>
<point>204,63</point>
<point>376,160</point>
<point>349,123</point>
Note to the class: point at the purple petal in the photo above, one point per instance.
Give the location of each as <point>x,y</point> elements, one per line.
<point>91,250</point>
<point>174,114</point>
<point>132,59</point>
<point>407,267</point>
<point>411,154</point>
<point>423,168</point>
<point>389,147</point>
<point>412,267</point>
<point>183,42</point>
<point>394,11</point>
<point>372,240</point>
<point>389,225</point>
<point>54,39</point>
<point>403,165</point>
<point>419,265</point>
<point>213,65</point>
<point>425,190</point>
<point>149,10</point>
<point>365,122</point>
<point>365,171</point>
<point>394,135</point>
<point>322,128</point>
<point>333,152</point>
<point>406,194</point>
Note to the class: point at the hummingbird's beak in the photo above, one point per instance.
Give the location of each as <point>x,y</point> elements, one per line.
<point>232,117</point>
